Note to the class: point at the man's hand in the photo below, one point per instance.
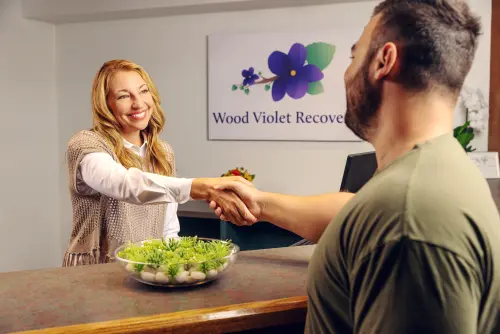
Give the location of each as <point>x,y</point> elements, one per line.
<point>235,210</point>
<point>213,190</point>
<point>246,192</point>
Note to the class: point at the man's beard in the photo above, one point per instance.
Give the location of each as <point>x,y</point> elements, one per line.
<point>363,100</point>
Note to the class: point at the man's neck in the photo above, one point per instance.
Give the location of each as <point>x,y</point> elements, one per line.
<point>406,121</point>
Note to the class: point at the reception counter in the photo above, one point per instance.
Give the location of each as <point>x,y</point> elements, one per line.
<point>265,289</point>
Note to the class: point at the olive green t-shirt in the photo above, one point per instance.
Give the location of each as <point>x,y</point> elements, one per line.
<point>417,250</point>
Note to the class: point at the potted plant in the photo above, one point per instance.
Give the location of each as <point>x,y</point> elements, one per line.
<point>240,171</point>
<point>464,134</point>
<point>472,101</point>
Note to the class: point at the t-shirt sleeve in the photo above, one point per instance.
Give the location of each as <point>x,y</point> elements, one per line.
<point>407,286</point>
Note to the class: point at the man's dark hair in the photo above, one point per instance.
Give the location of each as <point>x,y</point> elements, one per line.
<point>437,38</point>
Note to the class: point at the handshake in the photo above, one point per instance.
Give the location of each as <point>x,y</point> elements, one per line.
<point>236,200</point>
<point>232,198</point>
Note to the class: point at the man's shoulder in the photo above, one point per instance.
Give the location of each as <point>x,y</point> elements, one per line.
<point>384,194</point>
<point>424,206</point>
<point>429,182</point>
<point>443,217</point>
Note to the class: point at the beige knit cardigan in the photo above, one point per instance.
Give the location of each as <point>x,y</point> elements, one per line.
<point>101,223</point>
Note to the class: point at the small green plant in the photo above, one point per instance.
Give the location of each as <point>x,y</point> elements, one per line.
<point>464,134</point>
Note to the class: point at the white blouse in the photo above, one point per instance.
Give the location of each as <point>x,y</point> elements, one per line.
<point>98,172</point>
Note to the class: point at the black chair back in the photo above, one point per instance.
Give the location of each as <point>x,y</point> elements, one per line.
<point>359,168</point>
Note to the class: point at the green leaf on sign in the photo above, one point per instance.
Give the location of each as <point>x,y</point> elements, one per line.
<point>234,87</point>
<point>315,88</point>
<point>320,54</point>
<point>247,91</point>
<point>260,73</point>
<point>241,87</point>
<point>267,87</point>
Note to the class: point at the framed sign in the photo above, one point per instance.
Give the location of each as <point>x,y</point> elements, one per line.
<point>487,162</point>
<point>279,86</point>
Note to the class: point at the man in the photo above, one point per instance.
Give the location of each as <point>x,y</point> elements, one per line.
<point>417,249</point>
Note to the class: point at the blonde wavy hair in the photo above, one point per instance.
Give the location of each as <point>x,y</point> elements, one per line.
<point>105,123</point>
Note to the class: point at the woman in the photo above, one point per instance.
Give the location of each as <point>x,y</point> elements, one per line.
<point>121,172</point>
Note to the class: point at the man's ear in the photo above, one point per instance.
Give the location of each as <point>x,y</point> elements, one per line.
<point>385,62</point>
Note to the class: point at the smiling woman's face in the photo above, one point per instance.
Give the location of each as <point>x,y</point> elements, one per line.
<point>130,101</point>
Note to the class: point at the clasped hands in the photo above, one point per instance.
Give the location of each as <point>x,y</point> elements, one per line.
<point>233,199</point>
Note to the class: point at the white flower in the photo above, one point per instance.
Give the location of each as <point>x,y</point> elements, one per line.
<point>476,107</point>
<point>466,92</point>
<point>478,119</point>
<point>473,103</point>
<point>482,100</point>
<point>478,125</point>
<point>484,112</point>
<point>473,99</point>
<point>474,116</point>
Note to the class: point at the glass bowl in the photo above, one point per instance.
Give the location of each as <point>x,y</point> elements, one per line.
<point>166,271</point>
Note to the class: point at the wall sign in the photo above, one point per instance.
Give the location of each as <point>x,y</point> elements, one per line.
<point>487,162</point>
<point>279,86</point>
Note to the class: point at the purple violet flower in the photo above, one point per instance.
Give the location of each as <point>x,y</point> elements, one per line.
<point>249,76</point>
<point>293,76</point>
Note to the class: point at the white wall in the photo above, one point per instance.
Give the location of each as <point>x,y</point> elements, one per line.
<point>173,50</point>
<point>29,210</point>
<point>35,212</point>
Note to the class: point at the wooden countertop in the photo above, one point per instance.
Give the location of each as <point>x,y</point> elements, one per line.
<point>48,298</point>
<point>286,315</point>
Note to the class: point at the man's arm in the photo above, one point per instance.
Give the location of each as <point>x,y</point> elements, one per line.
<point>306,216</point>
